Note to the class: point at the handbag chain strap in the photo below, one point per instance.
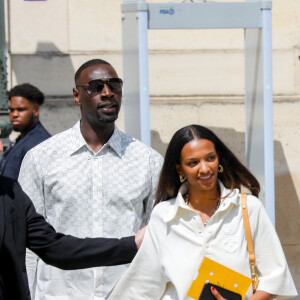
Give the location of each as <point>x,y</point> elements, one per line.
<point>250,247</point>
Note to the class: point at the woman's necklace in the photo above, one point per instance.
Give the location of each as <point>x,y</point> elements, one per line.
<point>187,200</point>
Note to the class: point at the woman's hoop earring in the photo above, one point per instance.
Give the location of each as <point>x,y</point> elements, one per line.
<point>182,178</point>
<point>220,169</point>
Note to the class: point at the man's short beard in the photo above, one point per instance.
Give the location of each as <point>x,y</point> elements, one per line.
<point>108,118</point>
<point>20,129</point>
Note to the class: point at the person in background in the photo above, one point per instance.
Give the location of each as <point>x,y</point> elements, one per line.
<point>91,179</point>
<point>5,128</point>
<point>198,214</point>
<point>5,131</point>
<point>21,227</point>
<point>24,107</point>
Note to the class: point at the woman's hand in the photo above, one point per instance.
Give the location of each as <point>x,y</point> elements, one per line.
<point>217,294</point>
<point>259,295</point>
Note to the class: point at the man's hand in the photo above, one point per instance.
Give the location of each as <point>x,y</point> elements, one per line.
<point>139,236</point>
<point>216,294</point>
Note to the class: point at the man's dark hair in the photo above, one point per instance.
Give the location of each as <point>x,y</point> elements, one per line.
<point>28,91</point>
<point>92,62</point>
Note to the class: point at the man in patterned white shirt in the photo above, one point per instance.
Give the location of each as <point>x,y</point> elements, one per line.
<point>90,180</point>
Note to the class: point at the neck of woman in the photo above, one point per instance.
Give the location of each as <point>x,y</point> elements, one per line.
<point>203,201</point>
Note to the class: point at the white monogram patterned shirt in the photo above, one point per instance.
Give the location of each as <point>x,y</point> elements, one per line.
<point>105,194</point>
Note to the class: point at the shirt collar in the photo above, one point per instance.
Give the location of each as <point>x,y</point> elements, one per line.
<point>228,197</point>
<point>76,139</point>
<point>179,202</point>
<point>115,141</point>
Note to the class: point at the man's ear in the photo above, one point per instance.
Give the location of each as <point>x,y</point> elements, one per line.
<point>36,110</point>
<point>76,97</point>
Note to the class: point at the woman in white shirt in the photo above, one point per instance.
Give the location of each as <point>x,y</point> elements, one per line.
<point>197,214</point>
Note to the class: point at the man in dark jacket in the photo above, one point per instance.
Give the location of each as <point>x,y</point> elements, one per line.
<point>24,103</point>
<point>21,226</point>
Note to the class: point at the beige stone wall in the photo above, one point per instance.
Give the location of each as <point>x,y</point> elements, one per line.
<point>196,76</point>
<point>55,37</point>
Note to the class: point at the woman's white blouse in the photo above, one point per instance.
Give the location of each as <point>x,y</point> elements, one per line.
<point>176,241</point>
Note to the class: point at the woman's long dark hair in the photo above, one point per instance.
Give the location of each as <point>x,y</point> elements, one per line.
<point>235,174</point>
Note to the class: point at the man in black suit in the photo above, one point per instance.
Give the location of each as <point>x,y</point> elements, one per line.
<point>21,226</point>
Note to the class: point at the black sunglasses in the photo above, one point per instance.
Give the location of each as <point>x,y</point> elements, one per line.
<point>96,86</point>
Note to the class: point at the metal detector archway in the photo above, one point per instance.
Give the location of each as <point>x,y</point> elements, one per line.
<point>255,18</point>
